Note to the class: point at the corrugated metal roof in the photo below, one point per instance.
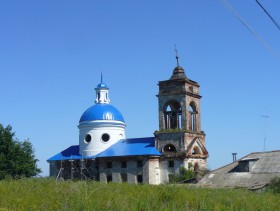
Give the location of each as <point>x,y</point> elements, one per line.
<point>237,180</point>
<point>126,147</point>
<point>263,170</point>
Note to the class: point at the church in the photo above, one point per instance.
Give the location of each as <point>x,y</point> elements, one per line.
<point>105,154</point>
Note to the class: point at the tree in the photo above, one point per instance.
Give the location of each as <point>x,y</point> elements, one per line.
<point>17,159</point>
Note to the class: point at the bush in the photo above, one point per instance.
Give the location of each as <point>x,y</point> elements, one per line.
<point>274,185</point>
<point>184,174</point>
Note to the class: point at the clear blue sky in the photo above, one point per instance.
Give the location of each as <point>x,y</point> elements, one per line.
<point>52,53</point>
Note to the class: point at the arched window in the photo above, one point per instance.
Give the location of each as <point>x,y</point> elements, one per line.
<point>196,151</point>
<point>173,115</point>
<point>169,148</point>
<point>196,167</point>
<point>193,117</point>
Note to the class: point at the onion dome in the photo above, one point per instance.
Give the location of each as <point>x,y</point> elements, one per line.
<point>102,112</point>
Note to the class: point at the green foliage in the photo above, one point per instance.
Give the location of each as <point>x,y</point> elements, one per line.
<point>48,194</point>
<point>17,158</point>
<point>170,130</point>
<point>274,185</point>
<point>184,174</point>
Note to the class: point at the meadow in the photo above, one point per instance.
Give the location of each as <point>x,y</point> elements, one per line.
<point>48,194</point>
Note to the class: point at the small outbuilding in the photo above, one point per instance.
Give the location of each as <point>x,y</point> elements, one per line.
<point>254,172</point>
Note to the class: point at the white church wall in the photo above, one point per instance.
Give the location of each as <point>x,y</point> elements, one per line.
<point>153,174</point>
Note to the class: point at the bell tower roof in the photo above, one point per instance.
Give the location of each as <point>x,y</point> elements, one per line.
<point>178,73</point>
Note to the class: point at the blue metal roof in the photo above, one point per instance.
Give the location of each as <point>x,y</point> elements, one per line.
<point>126,147</point>
<point>131,147</point>
<point>102,112</point>
<point>71,153</point>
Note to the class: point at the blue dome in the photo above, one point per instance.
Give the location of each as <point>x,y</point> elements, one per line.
<point>102,85</point>
<point>102,112</point>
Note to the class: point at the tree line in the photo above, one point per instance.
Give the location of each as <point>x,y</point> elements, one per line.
<point>17,158</point>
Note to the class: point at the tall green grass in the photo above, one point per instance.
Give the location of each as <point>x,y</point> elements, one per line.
<point>48,194</point>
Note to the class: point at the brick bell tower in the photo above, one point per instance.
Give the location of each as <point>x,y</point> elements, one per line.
<point>180,137</point>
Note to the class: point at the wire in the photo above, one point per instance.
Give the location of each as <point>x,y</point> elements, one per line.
<point>244,22</point>
<point>274,21</point>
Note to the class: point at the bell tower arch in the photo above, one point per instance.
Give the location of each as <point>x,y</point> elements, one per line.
<point>179,120</point>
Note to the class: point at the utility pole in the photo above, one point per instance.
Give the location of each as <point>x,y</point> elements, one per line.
<point>265,123</point>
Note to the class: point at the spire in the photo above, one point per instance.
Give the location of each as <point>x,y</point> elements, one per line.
<point>102,93</point>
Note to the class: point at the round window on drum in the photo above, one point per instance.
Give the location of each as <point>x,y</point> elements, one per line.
<point>105,137</point>
<point>88,138</point>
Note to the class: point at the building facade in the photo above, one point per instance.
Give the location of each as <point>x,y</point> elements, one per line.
<point>104,154</point>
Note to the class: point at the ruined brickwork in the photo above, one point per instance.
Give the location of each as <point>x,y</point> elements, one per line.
<point>180,137</point>
<point>138,169</point>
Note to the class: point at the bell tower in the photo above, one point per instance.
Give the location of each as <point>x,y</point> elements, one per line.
<point>180,136</point>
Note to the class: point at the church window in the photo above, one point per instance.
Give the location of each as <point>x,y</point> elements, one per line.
<point>171,163</point>
<point>139,179</point>
<point>88,138</point>
<point>193,115</point>
<point>169,148</point>
<point>97,165</point>
<point>139,163</point>
<point>173,115</point>
<point>196,167</point>
<point>109,165</point>
<point>109,177</point>
<point>196,151</point>
<point>191,88</point>
<point>124,164</point>
<point>170,177</point>
<point>105,137</point>
<point>124,177</point>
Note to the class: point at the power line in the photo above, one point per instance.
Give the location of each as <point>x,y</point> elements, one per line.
<point>273,20</point>
<point>244,23</point>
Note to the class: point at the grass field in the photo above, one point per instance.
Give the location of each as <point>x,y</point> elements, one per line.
<point>48,194</point>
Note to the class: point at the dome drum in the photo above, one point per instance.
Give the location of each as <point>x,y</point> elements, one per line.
<point>95,138</point>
